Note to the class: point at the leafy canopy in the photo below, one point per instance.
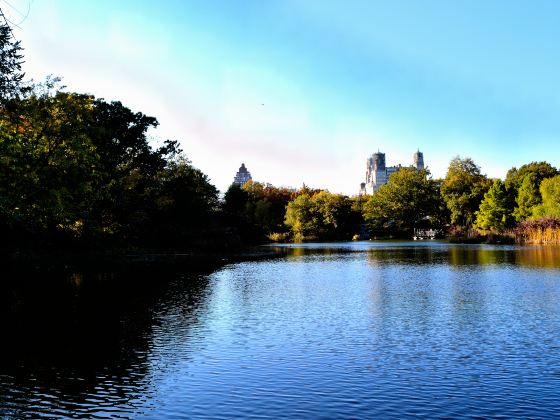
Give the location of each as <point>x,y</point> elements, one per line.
<point>11,59</point>
<point>550,191</point>
<point>409,197</point>
<point>322,215</point>
<point>540,170</point>
<point>463,190</point>
<point>78,166</point>
<point>495,212</point>
<point>527,198</point>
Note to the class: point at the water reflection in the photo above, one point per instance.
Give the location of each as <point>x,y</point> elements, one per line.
<point>360,330</point>
<point>384,252</point>
<point>539,256</point>
<point>78,340</point>
<point>454,329</point>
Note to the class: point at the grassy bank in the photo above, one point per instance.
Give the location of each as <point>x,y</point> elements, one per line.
<point>541,231</point>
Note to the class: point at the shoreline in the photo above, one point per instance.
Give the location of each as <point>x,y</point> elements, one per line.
<point>68,260</point>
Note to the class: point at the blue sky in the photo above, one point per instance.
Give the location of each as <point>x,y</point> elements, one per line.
<point>303,91</point>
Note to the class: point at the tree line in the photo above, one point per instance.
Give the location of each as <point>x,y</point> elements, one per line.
<point>264,211</point>
<point>464,203</point>
<point>81,172</point>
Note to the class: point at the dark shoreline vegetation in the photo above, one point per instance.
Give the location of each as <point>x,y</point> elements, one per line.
<point>82,176</point>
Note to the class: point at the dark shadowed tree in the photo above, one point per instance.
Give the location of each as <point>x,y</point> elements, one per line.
<point>130,172</point>
<point>48,162</point>
<point>81,168</point>
<point>185,206</point>
<point>235,202</point>
<point>11,59</point>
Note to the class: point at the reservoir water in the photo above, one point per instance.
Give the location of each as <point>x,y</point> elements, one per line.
<point>347,330</point>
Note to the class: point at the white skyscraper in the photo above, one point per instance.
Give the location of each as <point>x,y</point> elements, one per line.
<point>377,173</point>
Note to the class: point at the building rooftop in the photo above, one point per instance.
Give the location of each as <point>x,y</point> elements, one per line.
<point>242,176</point>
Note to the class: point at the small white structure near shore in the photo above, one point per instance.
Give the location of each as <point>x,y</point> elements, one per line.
<point>421,234</point>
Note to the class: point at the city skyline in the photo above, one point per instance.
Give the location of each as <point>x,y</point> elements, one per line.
<point>302,92</point>
<point>378,172</point>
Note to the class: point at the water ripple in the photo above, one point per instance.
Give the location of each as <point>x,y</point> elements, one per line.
<point>352,331</point>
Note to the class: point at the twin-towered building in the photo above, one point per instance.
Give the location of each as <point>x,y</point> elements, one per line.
<point>377,173</point>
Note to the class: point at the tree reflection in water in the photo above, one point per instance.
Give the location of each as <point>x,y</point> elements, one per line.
<point>75,339</point>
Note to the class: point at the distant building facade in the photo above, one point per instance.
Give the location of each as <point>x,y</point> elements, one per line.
<point>242,176</point>
<point>377,173</point>
<point>419,160</point>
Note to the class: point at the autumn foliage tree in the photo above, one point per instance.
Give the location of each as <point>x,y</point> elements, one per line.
<point>266,206</point>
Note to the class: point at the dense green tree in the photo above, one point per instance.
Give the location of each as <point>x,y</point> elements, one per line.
<point>11,59</point>
<point>358,203</point>
<point>263,216</point>
<point>527,198</point>
<point>235,201</point>
<point>266,205</point>
<point>322,215</point>
<point>79,167</point>
<point>48,162</point>
<point>130,171</point>
<point>531,195</point>
<point>183,206</point>
<point>257,210</point>
<point>409,197</point>
<point>494,213</point>
<point>550,192</point>
<point>541,170</point>
<point>301,217</point>
<point>440,215</point>
<point>335,213</point>
<point>463,190</point>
